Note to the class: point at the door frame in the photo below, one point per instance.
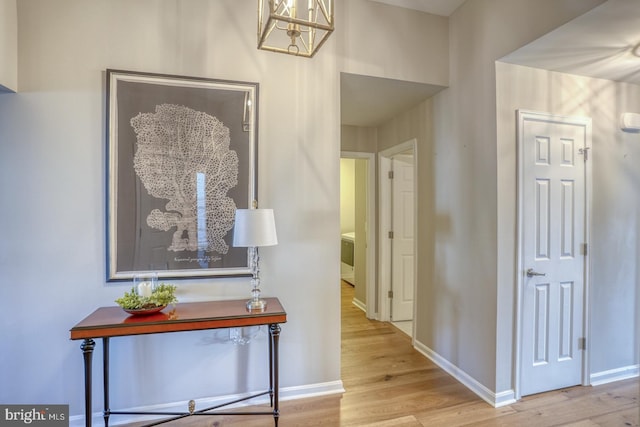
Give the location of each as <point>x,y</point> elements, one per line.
<point>521,116</point>
<point>384,224</point>
<point>370,304</point>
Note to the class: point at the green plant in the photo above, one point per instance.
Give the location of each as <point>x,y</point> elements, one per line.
<point>162,295</point>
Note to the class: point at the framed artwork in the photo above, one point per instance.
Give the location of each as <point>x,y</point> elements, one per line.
<point>181,159</point>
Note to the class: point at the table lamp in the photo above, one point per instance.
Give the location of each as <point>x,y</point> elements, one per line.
<point>254,228</point>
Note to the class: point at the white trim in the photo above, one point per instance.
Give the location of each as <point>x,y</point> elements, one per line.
<point>494,399</point>
<point>586,362</point>
<point>504,398</point>
<point>384,225</point>
<point>371,229</point>
<point>362,306</point>
<point>384,248</point>
<point>287,393</point>
<point>613,375</point>
<point>521,115</point>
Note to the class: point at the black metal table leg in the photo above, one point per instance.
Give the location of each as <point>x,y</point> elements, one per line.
<point>105,379</point>
<point>270,367</point>
<point>87,351</point>
<point>274,332</point>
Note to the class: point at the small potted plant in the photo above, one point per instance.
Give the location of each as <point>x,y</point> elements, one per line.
<point>158,298</point>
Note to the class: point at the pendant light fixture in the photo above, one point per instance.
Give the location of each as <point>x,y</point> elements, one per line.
<point>296,27</point>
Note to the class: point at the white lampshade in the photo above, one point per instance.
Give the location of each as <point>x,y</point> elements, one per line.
<point>254,227</point>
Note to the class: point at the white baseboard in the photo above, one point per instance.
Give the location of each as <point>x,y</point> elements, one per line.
<point>612,375</point>
<point>286,393</point>
<point>508,397</point>
<point>362,306</point>
<point>311,390</point>
<point>494,399</point>
<point>504,398</point>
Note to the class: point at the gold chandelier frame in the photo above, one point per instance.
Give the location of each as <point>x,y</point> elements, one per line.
<point>283,29</point>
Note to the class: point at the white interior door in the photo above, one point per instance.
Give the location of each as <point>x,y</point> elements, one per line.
<point>402,244</point>
<point>553,238</point>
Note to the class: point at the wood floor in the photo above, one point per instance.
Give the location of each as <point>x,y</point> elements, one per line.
<point>389,384</point>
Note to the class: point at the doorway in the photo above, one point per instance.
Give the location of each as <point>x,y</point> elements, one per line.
<point>553,227</point>
<point>357,188</point>
<point>397,226</point>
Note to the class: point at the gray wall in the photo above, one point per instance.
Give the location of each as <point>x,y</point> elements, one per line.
<point>52,170</point>
<point>471,276</point>
<point>52,183</point>
<point>614,199</point>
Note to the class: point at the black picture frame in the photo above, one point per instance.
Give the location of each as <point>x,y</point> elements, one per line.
<point>181,157</point>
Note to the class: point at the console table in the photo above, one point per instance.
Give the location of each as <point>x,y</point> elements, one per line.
<point>108,322</point>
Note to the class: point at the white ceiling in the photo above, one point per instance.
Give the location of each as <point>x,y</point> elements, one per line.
<point>436,7</point>
<point>597,44</point>
<point>369,101</point>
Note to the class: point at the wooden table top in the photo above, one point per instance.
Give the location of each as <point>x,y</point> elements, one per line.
<point>190,316</point>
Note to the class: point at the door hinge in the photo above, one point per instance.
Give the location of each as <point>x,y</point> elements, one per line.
<point>390,174</point>
<point>391,234</point>
<point>582,343</point>
<point>585,249</point>
<point>390,294</point>
<point>585,153</point>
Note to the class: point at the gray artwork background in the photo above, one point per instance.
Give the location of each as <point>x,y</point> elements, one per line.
<point>138,246</point>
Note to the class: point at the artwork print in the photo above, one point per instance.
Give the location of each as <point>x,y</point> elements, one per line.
<point>181,161</point>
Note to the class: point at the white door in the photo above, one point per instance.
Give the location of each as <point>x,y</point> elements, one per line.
<point>553,213</point>
<point>402,244</point>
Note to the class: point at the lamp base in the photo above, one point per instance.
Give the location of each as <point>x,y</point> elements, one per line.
<point>256,305</point>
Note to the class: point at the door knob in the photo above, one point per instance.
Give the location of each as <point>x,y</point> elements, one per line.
<point>531,273</point>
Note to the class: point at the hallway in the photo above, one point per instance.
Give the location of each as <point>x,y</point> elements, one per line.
<point>390,384</point>
<point>386,379</point>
